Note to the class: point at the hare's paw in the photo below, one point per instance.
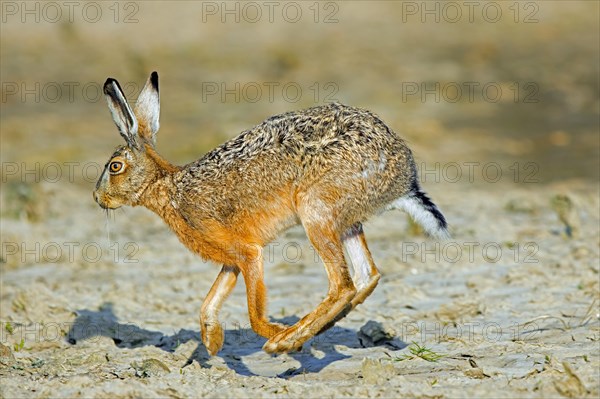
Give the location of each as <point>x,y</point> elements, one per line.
<point>289,340</point>
<point>213,337</point>
<point>273,329</point>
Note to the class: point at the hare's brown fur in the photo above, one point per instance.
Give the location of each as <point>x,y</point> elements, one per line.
<point>329,168</point>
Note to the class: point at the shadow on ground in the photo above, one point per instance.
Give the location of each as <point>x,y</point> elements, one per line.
<point>239,342</point>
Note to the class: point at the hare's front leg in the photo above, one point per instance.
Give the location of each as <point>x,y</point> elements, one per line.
<point>256,293</point>
<point>212,332</point>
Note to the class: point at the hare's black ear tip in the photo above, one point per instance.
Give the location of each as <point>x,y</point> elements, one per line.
<point>108,84</point>
<point>154,79</point>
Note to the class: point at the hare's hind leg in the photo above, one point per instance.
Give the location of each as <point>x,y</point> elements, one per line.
<point>212,332</point>
<point>337,304</point>
<point>366,275</point>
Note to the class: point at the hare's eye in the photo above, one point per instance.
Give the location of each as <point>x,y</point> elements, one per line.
<point>115,167</point>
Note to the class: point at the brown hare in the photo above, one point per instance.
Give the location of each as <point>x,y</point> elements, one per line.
<point>329,168</point>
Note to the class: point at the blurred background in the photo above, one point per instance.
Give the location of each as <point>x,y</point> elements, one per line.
<point>480,88</point>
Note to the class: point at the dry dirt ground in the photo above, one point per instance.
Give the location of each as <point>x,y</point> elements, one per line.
<point>510,305</point>
<point>96,305</point>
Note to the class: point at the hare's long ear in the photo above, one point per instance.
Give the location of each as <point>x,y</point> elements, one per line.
<point>121,112</point>
<point>147,109</point>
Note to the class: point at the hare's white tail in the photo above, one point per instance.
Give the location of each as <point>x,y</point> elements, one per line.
<point>420,207</point>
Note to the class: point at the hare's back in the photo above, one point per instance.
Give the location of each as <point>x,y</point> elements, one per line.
<point>346,140</point>
<point>308,132</point>
<point>320,150</point>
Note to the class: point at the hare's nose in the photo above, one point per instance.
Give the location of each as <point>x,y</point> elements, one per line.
<point>95,195</point>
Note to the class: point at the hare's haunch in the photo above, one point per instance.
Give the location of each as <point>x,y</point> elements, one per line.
<point>329,168</point>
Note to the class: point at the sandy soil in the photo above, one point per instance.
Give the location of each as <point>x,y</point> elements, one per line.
<point>510,304</point>
<point>97,306</point>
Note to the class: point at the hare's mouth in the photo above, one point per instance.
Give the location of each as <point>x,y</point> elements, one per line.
<point>104,202</point>
<point>104,206</point>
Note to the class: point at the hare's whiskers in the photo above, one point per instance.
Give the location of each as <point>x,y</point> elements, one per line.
<point>107,226</point>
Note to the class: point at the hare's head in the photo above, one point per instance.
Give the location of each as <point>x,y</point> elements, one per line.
<point>133,166</point>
